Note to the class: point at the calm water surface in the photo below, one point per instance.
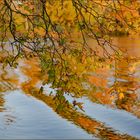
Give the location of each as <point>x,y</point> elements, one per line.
<point>113,113</point>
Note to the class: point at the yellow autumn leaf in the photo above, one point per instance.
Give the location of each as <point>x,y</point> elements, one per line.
<point>121,96</point>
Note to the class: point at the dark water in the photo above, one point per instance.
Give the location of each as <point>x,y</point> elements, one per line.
<point>113,113</point>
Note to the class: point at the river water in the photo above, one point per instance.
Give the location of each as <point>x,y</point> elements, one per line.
<point>112,113</point>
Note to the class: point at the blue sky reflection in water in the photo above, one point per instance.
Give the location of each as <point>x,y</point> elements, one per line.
<point>29,118</point>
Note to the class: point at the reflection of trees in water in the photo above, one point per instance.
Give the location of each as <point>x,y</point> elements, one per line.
<point>66,74</point>
<point>7,82</point>
<point>99,83</point>
<point>63,108</point>
<point>9,119</point>
<point>60,105</point>
<point>1,103</point>
<point>125,84</point>
<point>123,92</point>
<point>66,110</point>
<point>83,121</point>
<point>8,79</point>
<point>4,86</point>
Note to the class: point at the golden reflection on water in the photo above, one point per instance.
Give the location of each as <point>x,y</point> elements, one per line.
<point>122,93</point>
<point>1,103</point>
<point>125,76</point>
<point>33,72</point>
<point>86,123</point>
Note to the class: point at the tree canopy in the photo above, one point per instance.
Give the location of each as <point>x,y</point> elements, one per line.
<point>39,24</point>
